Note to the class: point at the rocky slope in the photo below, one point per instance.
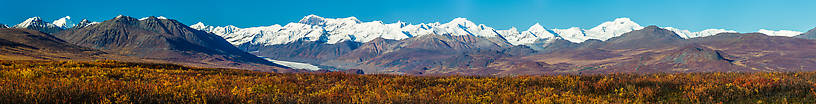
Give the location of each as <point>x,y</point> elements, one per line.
<point>164,39</point>
<point>26,44</point>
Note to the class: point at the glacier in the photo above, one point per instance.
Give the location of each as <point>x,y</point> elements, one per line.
<point>294,65</point>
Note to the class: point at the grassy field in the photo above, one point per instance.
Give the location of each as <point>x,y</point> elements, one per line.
<point>118,82</point>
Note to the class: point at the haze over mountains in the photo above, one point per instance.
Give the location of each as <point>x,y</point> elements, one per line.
<point>456,47</point>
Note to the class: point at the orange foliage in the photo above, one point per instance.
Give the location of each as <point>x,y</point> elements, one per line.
<point>118,82</point>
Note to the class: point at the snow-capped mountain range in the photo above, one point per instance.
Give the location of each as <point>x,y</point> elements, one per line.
<point>334,30</point>
<point>61,23</point>
<point>34,21</point>
<point>787,33</point>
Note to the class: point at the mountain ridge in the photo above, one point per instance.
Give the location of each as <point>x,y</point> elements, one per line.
<point>810,34</point>
<point>401,30</point>
<point>163,39</point>
<point>460,47</point>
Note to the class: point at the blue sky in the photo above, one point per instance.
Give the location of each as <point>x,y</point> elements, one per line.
<point>695,15</point>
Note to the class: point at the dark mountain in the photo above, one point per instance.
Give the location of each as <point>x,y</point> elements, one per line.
<point>303,51</point>
<point>370,50</point>
<point>545,45</point>
<point>811,34</point>
<point>427,54</point>
<point>394,56</point>
<point>649,37</point>
<point>649,50</point>
<point>449,42</point>
<point>164,39</point>
<point>26,44</point>
<point>767,53</point>
<point>727,52</point>
<point>691,58</point>
<point>3,26</point>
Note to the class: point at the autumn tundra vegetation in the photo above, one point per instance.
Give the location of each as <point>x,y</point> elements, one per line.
<point>123,82</point>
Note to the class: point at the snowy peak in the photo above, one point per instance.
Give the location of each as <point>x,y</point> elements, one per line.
<point>152,18</point>
<point>786,33</point>
<point>461,21</point>
<point>84,23</point>
<point>619,24</point>
<point>30,21</point>
<point>119,16</point>
<point>534,33</point>
<point>573,34</point>
<point>312,20</point>
<point>513,29</point>
<point>64,22</point>
<point>601,32</point>
<point>536,27</point>
<point>686,34</point>
<point>220,31</point>
<point>709,32</point>
<point>614,28</point>
<point>335,30</point>
<point>36,23</point>
<point>463,26</point>
<point>149,17</point>
<point>232,34</point>
<point>198,26</point>
<point>122,18</point>
<point>539,32</point>
<point>61,23</point>
<point>317,20</point>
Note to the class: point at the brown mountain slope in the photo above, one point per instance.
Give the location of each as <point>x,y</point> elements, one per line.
<point>649,37</point>
<point>427,54</point>
<point>304,51</point>
<point>728,52</point>
<point>690,58</point>
<point>461,43</point>
<point>762,52</point>
<point>25,44</point>
<point>164,39</point>
<point>370,50</point>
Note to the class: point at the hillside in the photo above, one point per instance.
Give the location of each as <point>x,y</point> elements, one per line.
<point>166,40</point>
<point>25,44</point>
